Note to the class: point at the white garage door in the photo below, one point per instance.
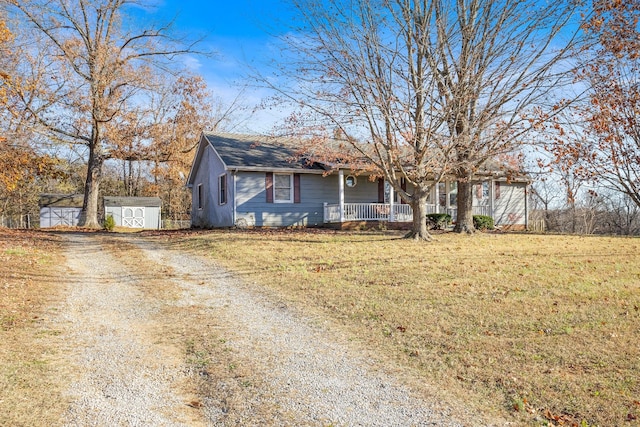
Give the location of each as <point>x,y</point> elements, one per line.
<point>133,217</point>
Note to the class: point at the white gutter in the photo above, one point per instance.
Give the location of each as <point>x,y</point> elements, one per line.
<point>235,201</point>
<point>341,194</point>
<point>279,170</point>
<point>526,206</point>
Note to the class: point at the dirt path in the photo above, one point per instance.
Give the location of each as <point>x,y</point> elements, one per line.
<point>125,376</point>
<point>129,322</point>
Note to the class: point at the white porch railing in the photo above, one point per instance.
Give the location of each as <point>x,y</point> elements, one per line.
<point>368,212</point>
<point>477,210</point>
<point>381,212</point>
<point>482,210</point>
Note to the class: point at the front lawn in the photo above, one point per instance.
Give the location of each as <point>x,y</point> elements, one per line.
<point>538,329</point>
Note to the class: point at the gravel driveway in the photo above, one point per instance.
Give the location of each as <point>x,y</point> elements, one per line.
<point>129,375</point>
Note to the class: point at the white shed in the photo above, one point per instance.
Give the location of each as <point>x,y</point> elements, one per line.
<point>60,210</point>
<point>134,212</point>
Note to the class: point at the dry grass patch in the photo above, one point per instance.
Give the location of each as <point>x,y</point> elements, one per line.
<point>540,329</point>
<point>31,379</point>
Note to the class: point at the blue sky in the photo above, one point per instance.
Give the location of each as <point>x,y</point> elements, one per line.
<point>239,32</point>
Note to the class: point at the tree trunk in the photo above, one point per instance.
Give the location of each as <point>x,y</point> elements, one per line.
<point>464,220</point>
<point>419,229</point>
<point>89,215</point>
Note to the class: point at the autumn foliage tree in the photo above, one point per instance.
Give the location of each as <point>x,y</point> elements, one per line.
<point>601,141</point>
<point>91,72</point>
<point>181,112</point>
<point>20,164</point>
<point>156,155</point>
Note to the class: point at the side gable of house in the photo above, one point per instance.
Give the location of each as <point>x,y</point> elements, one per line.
<point>266,183</point>
<point>211,186</point>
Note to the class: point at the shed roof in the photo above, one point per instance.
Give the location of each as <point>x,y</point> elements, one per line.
<point>61,200</point>
<point>132,201</point>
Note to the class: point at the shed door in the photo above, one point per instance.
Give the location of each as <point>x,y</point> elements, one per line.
<point>133,217</point>
<point>54,217</point>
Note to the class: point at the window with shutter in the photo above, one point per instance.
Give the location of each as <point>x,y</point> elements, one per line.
<point>282,188</point>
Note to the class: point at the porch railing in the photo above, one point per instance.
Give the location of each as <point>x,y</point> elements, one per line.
<point>381,212</point>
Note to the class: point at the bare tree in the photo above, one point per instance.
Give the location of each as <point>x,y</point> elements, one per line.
<point>604,145</point>
<point>95,69</point>
<point>424,89</point>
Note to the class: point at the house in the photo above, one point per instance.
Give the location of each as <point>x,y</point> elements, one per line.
<point>60,210</point>
<point>134,212</point>
<point>248,180</point>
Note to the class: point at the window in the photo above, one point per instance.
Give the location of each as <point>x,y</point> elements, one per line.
<point>482,190</point>
<point>222,189</point>
<point>453,193</point>
<point>200,196</point>
<point>350,181</point>
<point>282,188</point>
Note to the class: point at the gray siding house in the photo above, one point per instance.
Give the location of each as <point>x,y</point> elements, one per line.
<point>248,180</point>
<point>134,212</point>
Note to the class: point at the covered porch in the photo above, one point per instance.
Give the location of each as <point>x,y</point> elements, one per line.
<point>389,208</point>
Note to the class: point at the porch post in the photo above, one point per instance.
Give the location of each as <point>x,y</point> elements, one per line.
<point>437,196</point>
<point>341,192</point>
<point>391,197</point>
<point>447,189</point>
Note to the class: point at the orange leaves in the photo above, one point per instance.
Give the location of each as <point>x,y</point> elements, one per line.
<point>615,23</point>
<point>560,420</point>
<point>19,165</point>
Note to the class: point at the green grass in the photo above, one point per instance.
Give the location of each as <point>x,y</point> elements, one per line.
<point>538,329</point>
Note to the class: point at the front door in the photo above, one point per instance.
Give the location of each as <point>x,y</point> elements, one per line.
<point>133,217</point>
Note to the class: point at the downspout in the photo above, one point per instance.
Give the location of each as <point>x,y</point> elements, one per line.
<point>526,206</point>
<point>391,204</point>
<point>447,190</point>
<point>235,200</point>
<point>491,195</point>
<point>341,194</point>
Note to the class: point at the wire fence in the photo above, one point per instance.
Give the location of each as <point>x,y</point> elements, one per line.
<point>172,224</point>
<point>33,221</point>
<point>18,221</point>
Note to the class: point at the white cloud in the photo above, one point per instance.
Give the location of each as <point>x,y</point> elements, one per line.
<point>192,63</point>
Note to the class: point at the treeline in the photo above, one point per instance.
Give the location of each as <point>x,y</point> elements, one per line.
<point>92,102</point>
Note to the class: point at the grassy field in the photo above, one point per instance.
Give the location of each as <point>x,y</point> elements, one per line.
<point>542,330</point>
<point>31,379</point>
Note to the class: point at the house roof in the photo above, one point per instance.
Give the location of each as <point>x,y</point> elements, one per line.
<point>253,153</point>
<point>259,152</point>
<point>264,153</point>
<point>132,201</point>
<point>61,200</point>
